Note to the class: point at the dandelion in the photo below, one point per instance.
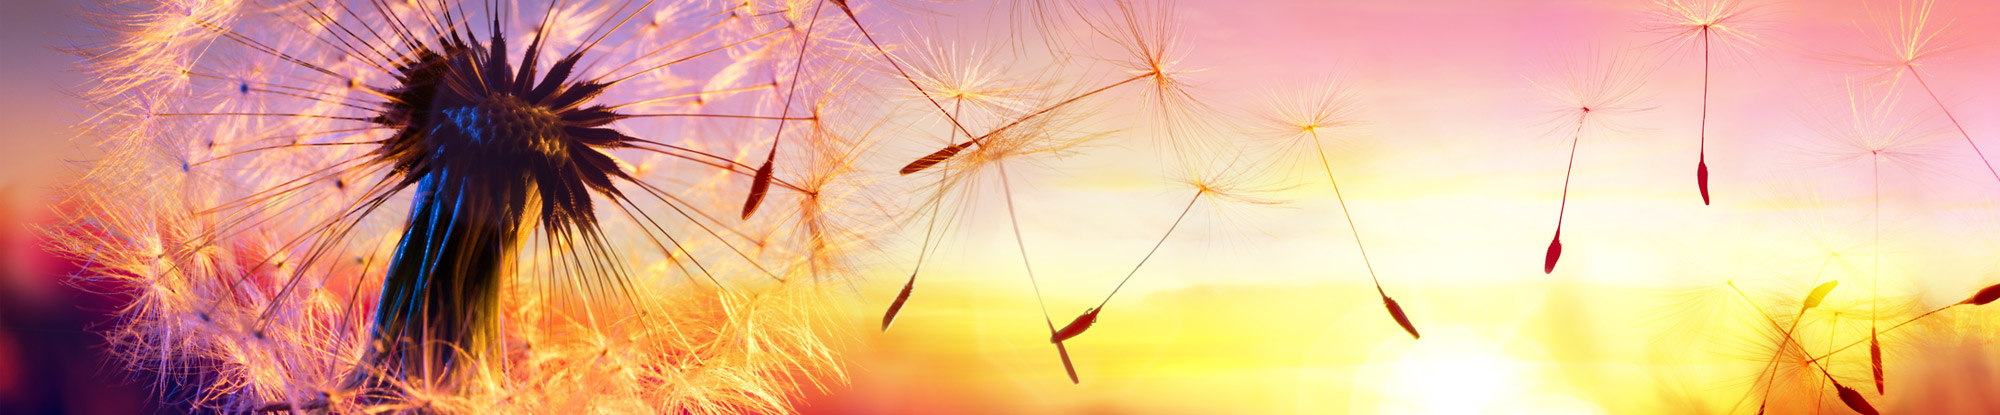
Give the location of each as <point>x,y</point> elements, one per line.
<point>257,156</point>
<point>1591,93</point>
<point>1296,120</point>
<point>1723,21</point>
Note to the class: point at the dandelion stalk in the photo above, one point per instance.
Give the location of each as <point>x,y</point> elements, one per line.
<point>1875,276</point>
<point>761,183</point>
<point>1395,310</point>
<point>1555,244</point>
<point>1701,160</point>
<point>924,249</point>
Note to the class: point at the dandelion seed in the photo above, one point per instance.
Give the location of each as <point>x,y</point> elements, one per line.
<point>1871,130</point>
<point>1589,93</point>
<point>962,81</point>
<point>1146,34</point>
<point>1297,120</point>
<point>1683,21</point>
<point>1226,183</point>
<point>1911,39</point>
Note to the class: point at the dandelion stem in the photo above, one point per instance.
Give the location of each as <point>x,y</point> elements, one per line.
<point>1156,247</point>
<point>1954,120</point>
<point>1328,167</point>
<point>1875,276</point>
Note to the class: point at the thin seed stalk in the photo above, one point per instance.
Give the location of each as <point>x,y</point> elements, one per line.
<point>1555,244</point>
<point>1089,317</point>
<point>1395,310</point>
<point>1954,120</point>
<point>1701,160</point>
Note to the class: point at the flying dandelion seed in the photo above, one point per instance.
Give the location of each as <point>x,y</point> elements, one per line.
<point>1227,184</point>
<point>1709,21</point>
<point>1871,129</point>
<point>959,77</point>
<point>256,155</point>
<point>1147,36</point>
<point>1915,37</point>
<point>1296,120</point>
<point>1144,33</point>
<point>1590,91</point>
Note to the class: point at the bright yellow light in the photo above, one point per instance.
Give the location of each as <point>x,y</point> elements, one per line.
<point>1458,372</point>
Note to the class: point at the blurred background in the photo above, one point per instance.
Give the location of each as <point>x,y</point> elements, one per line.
<point>50,361</point>
<point>1454,180</point>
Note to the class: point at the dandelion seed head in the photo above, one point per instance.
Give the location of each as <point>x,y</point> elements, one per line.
<point>259,158</point>
<point>1595,91</point>
<point>1731,24</point>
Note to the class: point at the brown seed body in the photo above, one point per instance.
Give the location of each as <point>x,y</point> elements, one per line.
<point>759,185</point>
<point>1401,319</point>
<point>1875,357</point>
<point>1985,295</point>
<point>897,306</point>
<point>1555,253</point>
<point>934,158</point>
<point>1854,400</point>
<point>1075,327</point>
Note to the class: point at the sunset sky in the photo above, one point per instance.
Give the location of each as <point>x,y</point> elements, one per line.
<point>1453,179</point>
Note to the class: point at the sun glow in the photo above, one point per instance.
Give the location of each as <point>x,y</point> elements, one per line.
<point>1459,371</point>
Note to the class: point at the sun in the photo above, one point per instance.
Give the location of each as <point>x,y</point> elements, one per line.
<point>1460,371</point>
